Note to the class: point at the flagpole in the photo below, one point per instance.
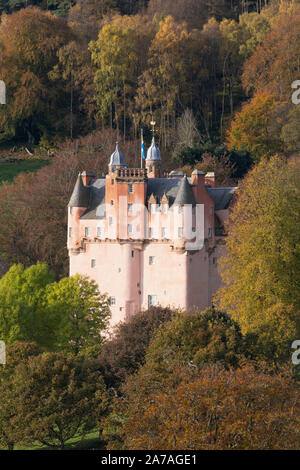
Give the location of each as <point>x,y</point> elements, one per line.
<point>141,148</point>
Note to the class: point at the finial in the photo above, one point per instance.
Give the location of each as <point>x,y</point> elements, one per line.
<point>153,127</point>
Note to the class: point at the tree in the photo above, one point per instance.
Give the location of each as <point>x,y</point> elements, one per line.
<point>199,338</point>
<point>119,56</point>
<point>218,409</point>
<point>22,316</point>
<point>125,351</point>
<point>17,353</point>
<point>82,311</point>
<point>261,268</point>
<point>57,397</point>
<point>251,128</point>
<point>30,40</point>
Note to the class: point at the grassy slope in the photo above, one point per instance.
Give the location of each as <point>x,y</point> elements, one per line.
<point>9,170</point>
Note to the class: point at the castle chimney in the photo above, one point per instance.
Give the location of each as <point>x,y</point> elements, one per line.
<point>87,177</point>
<point>211,179</point>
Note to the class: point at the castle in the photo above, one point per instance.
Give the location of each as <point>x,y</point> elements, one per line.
<point>147,239</point>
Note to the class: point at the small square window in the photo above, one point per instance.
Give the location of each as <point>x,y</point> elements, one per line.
<point>93,263</point>
<point>130,208</point>
<point>180,232</point>
<point>99,232</point>
<point>152,300</point>
<point>130,230</point>
<point>130,188</point>
<point>112,301</point>
<point>151,260</point>
<point>70,232</point>
<point>87,231</point>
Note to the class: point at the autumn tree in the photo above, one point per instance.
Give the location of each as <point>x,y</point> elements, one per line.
<point>125,351</point>
<point>261,268</point>
<point>30,40</point>
<point>17,353</point>
<point>251,128</point>
<point>57,397</point>
<point>217,409</point>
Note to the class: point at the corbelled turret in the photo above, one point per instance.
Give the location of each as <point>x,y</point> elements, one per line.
<point>81,194</point>
<point>153,160</point>
<point>185,194</point>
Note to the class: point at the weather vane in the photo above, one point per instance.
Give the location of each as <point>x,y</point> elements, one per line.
<point>153,126</point>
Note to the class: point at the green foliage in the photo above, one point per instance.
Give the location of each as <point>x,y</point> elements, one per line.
<point>22,315</point>
<point>82,311</point>
<point>261,268</point>
<point>17,353</point>
<point>197,339</point>
<point>8,171</point>
<point>56,397</point>
<point>125,352</point>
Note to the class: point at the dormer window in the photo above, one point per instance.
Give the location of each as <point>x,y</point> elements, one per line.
<point>179,209</point>
<point>152,208</point>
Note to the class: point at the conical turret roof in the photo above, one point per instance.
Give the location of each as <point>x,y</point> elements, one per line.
<point>153,152</point>
<point>117,158</point>
<point>185,193</point>
<point>81,194</point>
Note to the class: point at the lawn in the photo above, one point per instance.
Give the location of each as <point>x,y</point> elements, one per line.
<point>9,170</point>
<point>90,442</point>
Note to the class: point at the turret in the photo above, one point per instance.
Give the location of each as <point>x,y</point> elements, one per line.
<point>153,161</point>
<point>117,160</point>
<point>77,206</point>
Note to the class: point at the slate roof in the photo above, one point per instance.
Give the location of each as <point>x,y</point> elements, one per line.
<point>117,158</point>
<point>185,193</point>
<point>81,194</point>
<point>177,190</point>
<point>153,152</point>
<point>222,197</point>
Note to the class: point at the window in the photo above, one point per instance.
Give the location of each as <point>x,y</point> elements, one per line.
<point>99,232</point>
<point>152,300</point>
<point>110,221</point>
<point>112,181</point>
<point>129,228</point>
<point>214,261</point>
<point>151,260</point>
<point>112,202</point>
<point>93,263</point>
<point>130,208</point>
<point>180,232</point>
<point>87,231</point>
<point>112,301</point>
<point>130,188</point>
<point>179,209</point>
<point>151,232</point>
<point>132,253</point>
<point>211,210</point>
<point>209,232</point>
<point>164,208</point>
<point>163,232</point>
<point>152,208</point>
<point>70,232</point>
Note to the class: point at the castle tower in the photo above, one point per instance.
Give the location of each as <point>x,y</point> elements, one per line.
<point>77,206</point>
<point>153,161</point>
